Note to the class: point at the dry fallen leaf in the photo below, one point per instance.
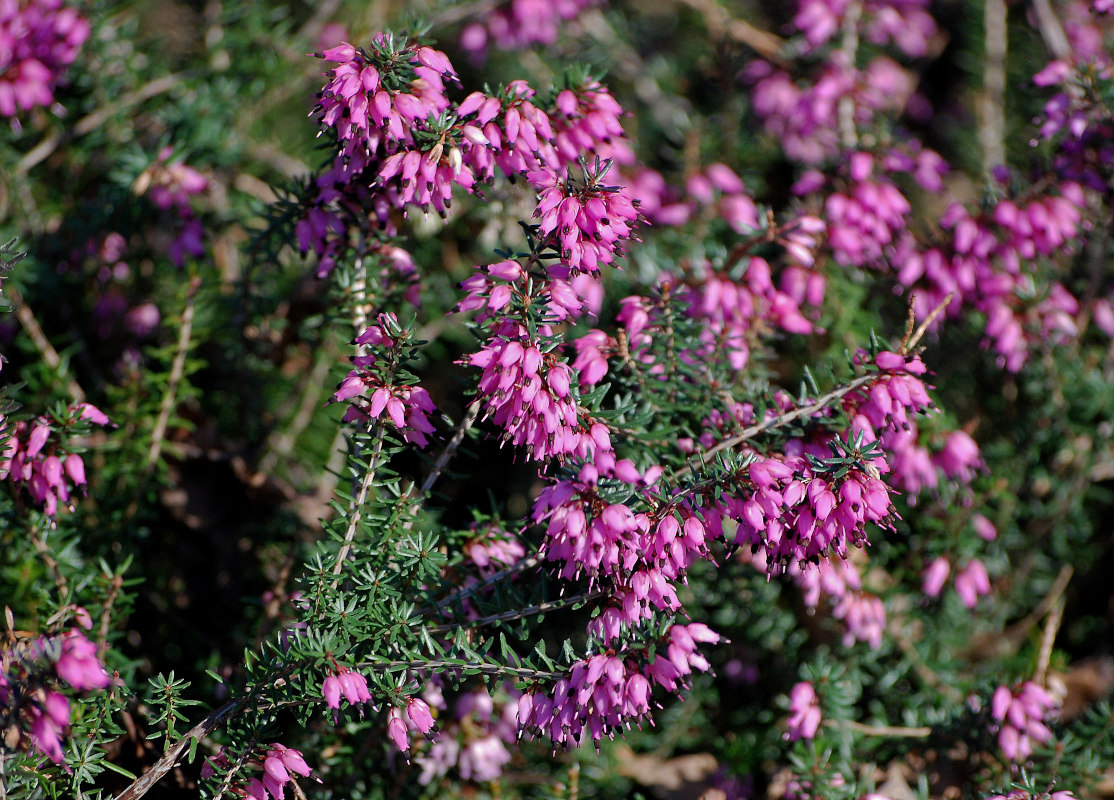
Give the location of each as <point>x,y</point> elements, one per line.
<point>679,778</point>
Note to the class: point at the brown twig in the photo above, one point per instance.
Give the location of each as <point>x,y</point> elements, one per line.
<point>172,756</point>
<point>45,349</point>
<point>1051,30</point>
<point>1048,639</point>
<point>508,572</point>
<point>849,47</point>
<point>721,24</point>
<point>907,346</point>
<point>1011,637</point>
<point>992,101</point>
<point>361,498</point>
<point>90,122</point>
<point>177,370</point>
<point>486,669</point>
<point>450,449</point>
<point>890,731</point>
<point>519,613</point>
<point>106,612</point>
<point>783,419</point>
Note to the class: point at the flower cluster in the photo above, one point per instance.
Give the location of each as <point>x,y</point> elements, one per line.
<point>604,694</point>
<point>474,738</point>
<point>417,716</point>
<point>526,391</point>
<point>277,762</point>
<point>587,220</point>
<point>520,23</point>
<point>736,312</point>
<point>351,684</point>
<point>35,459</point>
<point>806,118</point>
<point>1076,119</point>
<point>373,391</point>
<point>170,185</point>
<point>970,582</point>
<point>906,23</point>
<point>39,39</point>
<point>31,704</point>
<point>1020,713</point>
<point>863,614</point>
<point>804,712</point>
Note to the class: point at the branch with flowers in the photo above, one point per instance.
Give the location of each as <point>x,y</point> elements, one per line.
<point>718,422</point>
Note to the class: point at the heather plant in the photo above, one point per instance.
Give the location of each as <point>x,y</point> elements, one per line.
<point>560,408</point>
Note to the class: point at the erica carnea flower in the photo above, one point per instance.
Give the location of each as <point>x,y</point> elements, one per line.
<point>38,40</point>
<point>352,685</point>
<point>1020,713</point>
<point>374,390</point>
<point>396,730</point>
<point>587,219</point>
<point>33,675</point>
<point>520,23</point>
<point>78,664</point>
<point>37,456</point>
<point>804,712</point>
<point>276,761</point>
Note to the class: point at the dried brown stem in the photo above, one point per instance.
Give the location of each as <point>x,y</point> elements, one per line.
<point>49,560</point>
<point>783,419</point>
<point>1048,639</point>
<point>992,131</point>
<point>907,346</point>
<point>96,119</point>
<point>361,498</point>
<point>889,731</point>
<point>177,370</point>
<point>45,349</point>
<point>172,756</point>
<point>721,24</point>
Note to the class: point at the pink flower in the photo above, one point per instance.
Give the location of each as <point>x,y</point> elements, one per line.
<point>417,711</point>
<point>396,730</point>
<point>1021,712</point>
<point>971,582</point>
<point>78,664</point>
<point>39,39</point>
<point>804,712</point>
<point>935,575</point>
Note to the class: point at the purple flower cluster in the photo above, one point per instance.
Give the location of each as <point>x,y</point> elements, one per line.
<point>863,614</point>
<point>1020,713</point>
<point>417,716</point>
<point>170,185</point>
<point>970,582</point>
<point>36,460</point>
<point>528,393</point>
<point>39,39</point>
<point>806,117</point>
<point>474,738</point>
<point>520,23</point>
<point>587,220</point>
<point>604,694</point>
<point>37,712</point>
<point>804,712</point>
<point>277,763</point>
<point>906,23</point>
<point>404,143</point>
<point>371,388</point>
<point>345,682</point>
<point>735,312</point>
